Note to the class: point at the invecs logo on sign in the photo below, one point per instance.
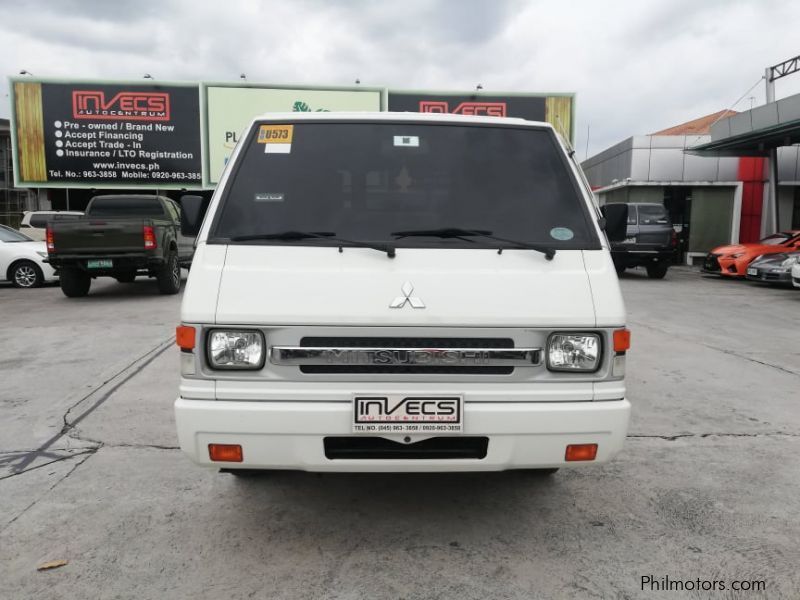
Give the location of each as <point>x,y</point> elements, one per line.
<point>127,106</point>
<point>489,109</point>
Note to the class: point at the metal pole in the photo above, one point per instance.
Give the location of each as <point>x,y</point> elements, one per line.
<point>769,219</point>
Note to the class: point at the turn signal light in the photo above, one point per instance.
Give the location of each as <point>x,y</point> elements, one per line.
<point>149,238</point>
<point>622,340</point>
<point>581,452</point>
<point>225,452</point>
<point>51,241</point>
<point>185,337</point>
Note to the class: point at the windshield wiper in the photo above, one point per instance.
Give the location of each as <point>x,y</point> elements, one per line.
<point>284,235</point>
<point>293,236</point>
<point>456,232</point>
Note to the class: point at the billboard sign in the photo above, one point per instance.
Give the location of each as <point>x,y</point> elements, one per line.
<point>106,135</point>
<point>556,109</point>
<point>230,108</point>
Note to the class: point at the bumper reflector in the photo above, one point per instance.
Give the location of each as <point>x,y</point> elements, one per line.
<point>622,340</point>
<point>184,337</point>
<point>225,452</point>
<point>580,452</point>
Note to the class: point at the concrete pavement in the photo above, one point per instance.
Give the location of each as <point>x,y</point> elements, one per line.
<point>707,486</point>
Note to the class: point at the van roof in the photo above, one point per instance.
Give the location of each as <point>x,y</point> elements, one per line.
<point>398,116</point>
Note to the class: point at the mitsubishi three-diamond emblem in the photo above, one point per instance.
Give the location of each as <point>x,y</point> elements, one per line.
<point>407,288</point>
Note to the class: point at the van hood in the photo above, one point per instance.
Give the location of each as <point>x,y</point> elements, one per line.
<point>282,285</point>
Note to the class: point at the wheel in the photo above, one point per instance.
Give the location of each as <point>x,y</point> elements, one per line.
<point>657,270</point>
<point>126,277</point>
<point>169,276</point>
<point>26,274</point>
<point>74,282</point>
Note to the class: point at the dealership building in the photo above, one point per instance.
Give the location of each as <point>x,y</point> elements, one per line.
<point>712,175</point>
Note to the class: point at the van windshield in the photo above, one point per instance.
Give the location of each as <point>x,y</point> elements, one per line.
<point>370,182</point>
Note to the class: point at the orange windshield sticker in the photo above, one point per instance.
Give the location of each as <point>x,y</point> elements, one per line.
<point>275,134</point>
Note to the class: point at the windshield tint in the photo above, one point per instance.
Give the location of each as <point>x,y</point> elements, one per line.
<point>10,235</point>
<point>122,206</point>
<point>363,181</point>
<point>653,214</point>
<point>774,239</point>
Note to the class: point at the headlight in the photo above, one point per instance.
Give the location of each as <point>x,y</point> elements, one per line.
<point>737,255</point>
<point>42,254</point>
<point>573,352</point>
<point>235,349</point>
<point>790,261</point>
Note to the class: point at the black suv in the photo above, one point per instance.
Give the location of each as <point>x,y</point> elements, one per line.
<point>650,241</point>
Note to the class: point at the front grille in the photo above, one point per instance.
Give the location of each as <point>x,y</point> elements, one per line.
<point>772,276</point>
<point>406,342</point>
<point>712,263</point>
<point>376,448</point>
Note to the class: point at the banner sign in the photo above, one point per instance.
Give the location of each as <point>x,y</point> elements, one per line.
<point>127,135</point>
<point>554,109</point>
<point>231,108</point>
<point>106,135</point>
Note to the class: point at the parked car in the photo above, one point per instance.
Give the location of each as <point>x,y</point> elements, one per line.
<point>650,240</point>
<point>34,222</point>
<point>796,275</point>
<point>22,260</point>
<point>773,268</point>
<point>120,236</point>
<point>732,260</point>
<point>378,292</point>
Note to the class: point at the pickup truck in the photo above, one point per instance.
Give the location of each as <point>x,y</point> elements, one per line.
<point>401,292</point>
<point>120,236</point>
<point>650,240</point>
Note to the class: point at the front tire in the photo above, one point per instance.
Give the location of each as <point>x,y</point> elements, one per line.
<point>74,283</point>
<point>26,274</point>
<point>169,276</point>
<point>657,270</point>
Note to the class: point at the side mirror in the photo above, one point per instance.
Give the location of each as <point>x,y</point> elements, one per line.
<point>616,221</point>
<point>191,215</point>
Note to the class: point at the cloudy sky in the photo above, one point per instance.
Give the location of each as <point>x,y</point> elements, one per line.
<point>636,66</point>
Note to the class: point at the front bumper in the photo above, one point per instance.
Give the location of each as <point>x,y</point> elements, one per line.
<point>770,275</point>
<point>289,434</point>
<point>717,264</point>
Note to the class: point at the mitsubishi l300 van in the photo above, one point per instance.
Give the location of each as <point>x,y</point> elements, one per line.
<point>401,292</point>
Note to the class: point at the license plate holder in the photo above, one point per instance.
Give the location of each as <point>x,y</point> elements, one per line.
<point>752,271</point>
<point>100,263</point>
<point>402,414</point>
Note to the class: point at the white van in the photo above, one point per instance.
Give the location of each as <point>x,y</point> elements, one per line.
<point>401,292</point>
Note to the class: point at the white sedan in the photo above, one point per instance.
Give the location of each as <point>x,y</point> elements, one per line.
<point>22,260</point>
<point>796,274</point>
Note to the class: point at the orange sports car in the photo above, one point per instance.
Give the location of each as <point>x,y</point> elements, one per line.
<point>732,261</point>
